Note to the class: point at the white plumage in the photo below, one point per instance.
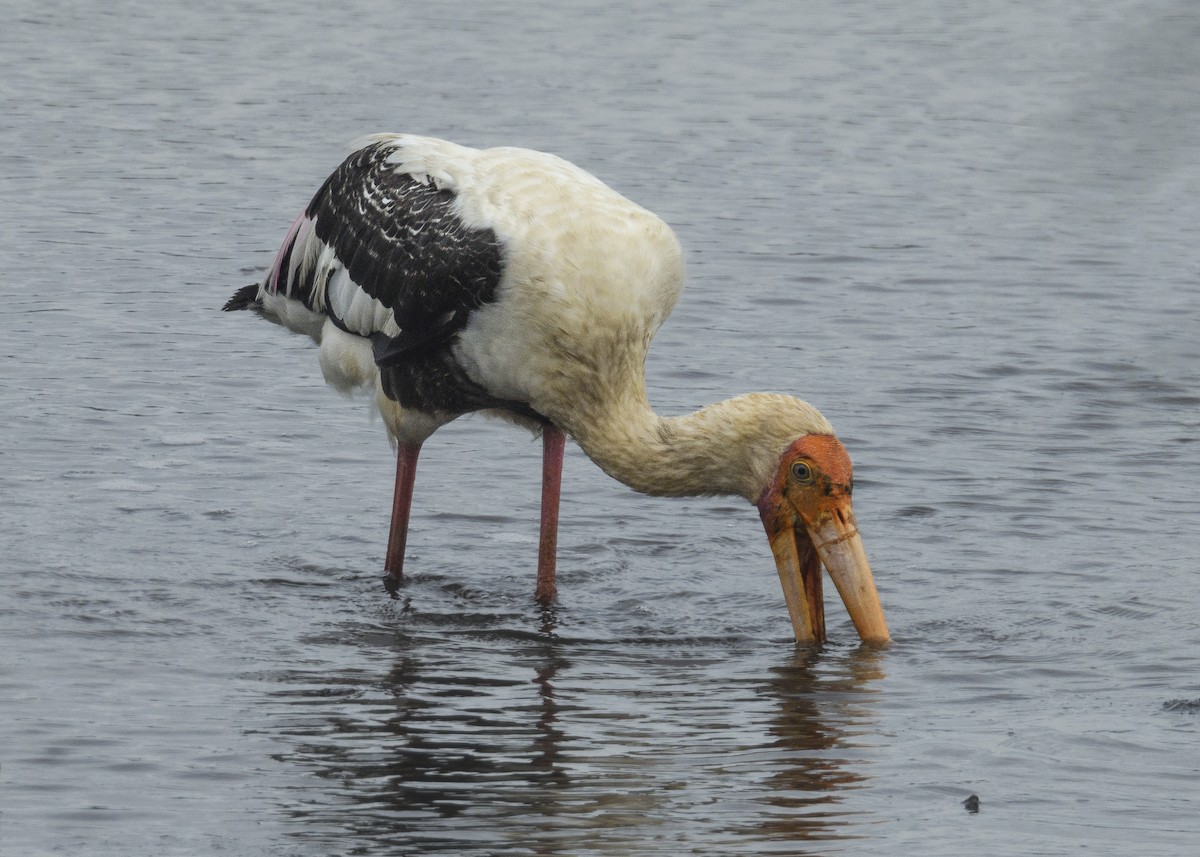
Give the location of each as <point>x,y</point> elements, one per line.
<point>452,279</point>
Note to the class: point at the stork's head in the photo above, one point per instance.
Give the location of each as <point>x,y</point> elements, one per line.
<point>809,520</point>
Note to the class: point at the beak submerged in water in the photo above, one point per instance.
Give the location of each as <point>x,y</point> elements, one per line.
<point>810,521</point>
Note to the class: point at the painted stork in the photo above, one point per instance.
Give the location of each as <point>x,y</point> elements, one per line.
<point>448,280</point>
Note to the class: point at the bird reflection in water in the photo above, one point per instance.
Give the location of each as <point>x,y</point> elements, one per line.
<point>825,703</point>
<point>432,752</point>
<point>549,736</point>
<point>454,749</point>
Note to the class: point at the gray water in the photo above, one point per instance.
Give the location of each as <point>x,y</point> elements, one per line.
<point>967,232</point>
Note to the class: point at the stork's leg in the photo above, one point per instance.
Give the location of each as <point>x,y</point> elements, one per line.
<point>406,471</point>
<point>553,444</point>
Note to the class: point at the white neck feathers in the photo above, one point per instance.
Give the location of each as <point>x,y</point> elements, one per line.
<point>728,448</point>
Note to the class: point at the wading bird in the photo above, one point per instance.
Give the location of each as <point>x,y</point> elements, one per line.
<point>448,280</point>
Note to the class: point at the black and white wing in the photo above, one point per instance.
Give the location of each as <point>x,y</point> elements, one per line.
<point>378,245</point>
<point>384,254</point>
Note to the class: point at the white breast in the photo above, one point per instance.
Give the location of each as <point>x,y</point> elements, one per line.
<point>588,275</point>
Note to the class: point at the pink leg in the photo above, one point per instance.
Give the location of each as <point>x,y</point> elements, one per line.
<point>406,471</point>
<point>553,444</point>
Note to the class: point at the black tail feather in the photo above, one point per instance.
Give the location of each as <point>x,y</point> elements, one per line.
<point>243,298</point>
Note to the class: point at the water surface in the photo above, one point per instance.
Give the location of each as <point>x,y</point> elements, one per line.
<point>967,233</point>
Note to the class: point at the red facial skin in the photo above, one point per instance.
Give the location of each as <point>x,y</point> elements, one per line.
<point>809,521</point>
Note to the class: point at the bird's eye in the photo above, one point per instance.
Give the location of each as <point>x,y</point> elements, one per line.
<point>801,472</point>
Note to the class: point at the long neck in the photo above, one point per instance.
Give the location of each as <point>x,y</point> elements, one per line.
<point>703,453</point>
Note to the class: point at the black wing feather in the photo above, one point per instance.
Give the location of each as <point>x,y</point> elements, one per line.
<point>402,242</point>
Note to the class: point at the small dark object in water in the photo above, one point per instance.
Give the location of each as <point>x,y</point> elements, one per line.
<point>972,803</point>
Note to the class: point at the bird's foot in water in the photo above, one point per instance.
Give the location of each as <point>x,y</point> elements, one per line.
<point>391,582</point>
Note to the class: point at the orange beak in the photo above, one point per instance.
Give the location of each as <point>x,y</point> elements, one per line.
<point>801,540</point>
